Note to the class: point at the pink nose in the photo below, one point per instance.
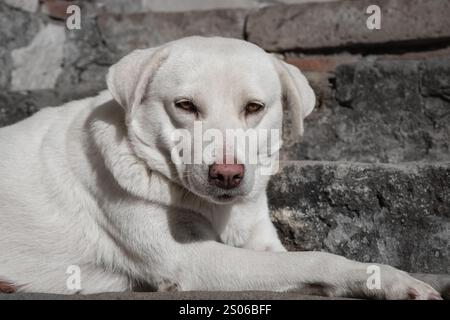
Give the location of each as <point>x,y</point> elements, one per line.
<point>226,176</point>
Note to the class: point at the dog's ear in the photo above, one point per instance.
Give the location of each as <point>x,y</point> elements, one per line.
<point>298,95</point>
<point>128,79</point>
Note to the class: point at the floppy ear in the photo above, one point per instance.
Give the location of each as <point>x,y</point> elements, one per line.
<point>128,79</point>
<point>297,93</point>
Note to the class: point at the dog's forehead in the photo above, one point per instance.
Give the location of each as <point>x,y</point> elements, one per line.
<point>215,45</point>
<point>214,57</point>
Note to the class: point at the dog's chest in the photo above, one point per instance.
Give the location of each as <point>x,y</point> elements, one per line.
<point>235,229</point>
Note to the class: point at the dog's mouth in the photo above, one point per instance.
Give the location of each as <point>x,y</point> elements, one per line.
<point>219,198</point>
<point>197,183</point>
<point>224,198</point>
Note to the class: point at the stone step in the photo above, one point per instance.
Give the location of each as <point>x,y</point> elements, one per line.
<point>343,24</point>
<point>394,214</point>
<point>183,295</point>
<point>379,111</point>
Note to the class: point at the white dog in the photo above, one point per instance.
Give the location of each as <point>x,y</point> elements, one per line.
<point>94,184</point>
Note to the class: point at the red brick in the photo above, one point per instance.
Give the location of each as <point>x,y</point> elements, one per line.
<point>320,63</point>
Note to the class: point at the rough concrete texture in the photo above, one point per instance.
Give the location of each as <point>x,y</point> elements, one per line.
<point>26,5</point>
<point>124,33</point>
<point>133,6</point>
<point>382,111</point>
<point>181,5</point>
<point>394,214</point>
<point>343,24</point>
<point>189,295</point>
<point>140,6</point>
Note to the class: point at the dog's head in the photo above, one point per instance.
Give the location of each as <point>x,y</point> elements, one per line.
<point>207,112</point>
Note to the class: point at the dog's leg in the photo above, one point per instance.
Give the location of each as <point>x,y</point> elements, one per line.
<point>209,265</point>
<point>264,237</point>
<point>184,251</point>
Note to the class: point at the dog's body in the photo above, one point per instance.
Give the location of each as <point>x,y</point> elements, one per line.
<point>91,184</point>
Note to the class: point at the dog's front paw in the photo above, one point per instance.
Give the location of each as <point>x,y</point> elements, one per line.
<point>440,282</point>
<point>398,285</point>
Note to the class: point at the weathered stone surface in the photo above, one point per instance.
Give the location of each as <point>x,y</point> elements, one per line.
<point>135,6</point>
<point>343,24</point>
<point>124,33</point>
<point>190,5</point>
<point>16,106</point>
<point>379,111</point>
<point>38,65</point>
<point>435,81</point>
<point>394,214</point>
<point>26,5</point>
<point>12,23</point>
<point>84,63</point>
<point>86,58</point>
<point>303,1</point>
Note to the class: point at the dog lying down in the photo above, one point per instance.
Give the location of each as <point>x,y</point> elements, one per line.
<point>95,184</point>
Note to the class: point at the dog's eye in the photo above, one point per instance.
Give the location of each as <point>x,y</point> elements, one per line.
<point>186,105</point>
<point>253,107</point>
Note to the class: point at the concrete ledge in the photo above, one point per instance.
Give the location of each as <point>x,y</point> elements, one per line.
<point>343,24</point>
<point>124,33</point>
<point>190,295</point>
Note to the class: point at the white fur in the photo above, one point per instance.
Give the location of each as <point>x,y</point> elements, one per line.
<point>91,184</point>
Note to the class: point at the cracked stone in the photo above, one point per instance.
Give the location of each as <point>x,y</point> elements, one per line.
<point>26,5</point>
